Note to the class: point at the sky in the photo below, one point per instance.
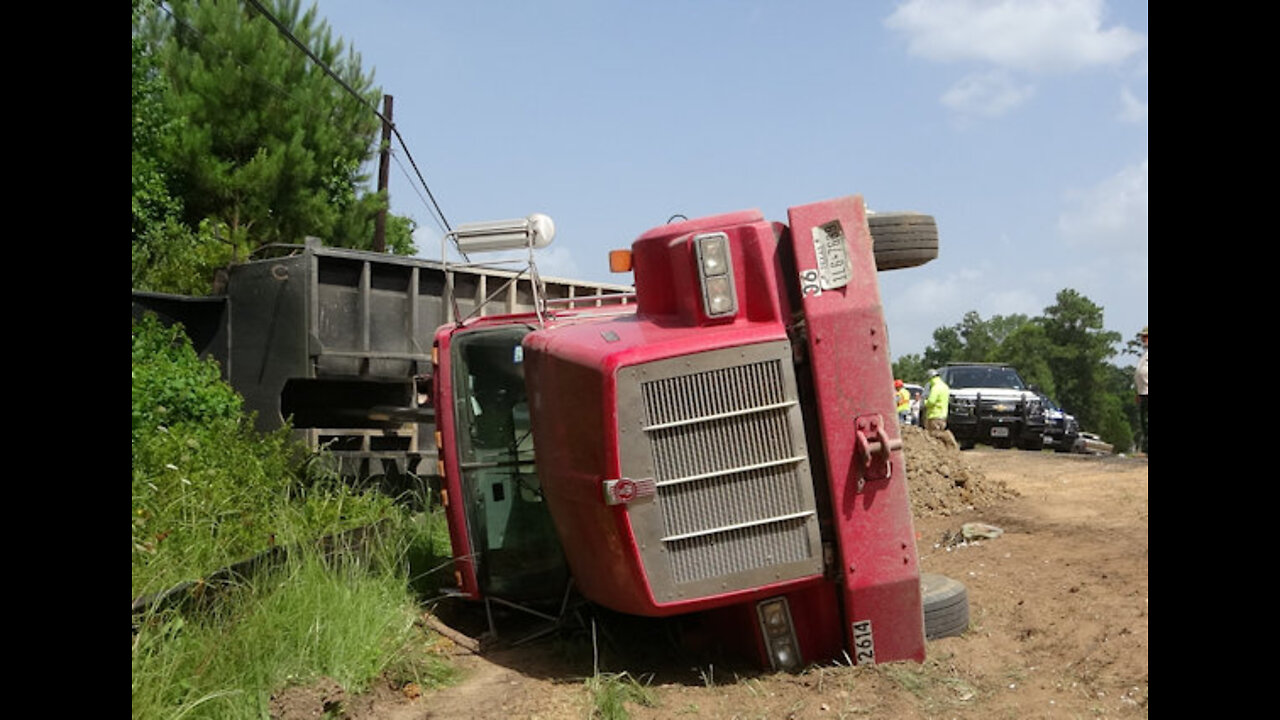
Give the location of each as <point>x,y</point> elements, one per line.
<point>1020,125</point>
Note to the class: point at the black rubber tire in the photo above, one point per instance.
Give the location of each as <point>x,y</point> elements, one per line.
<point>946,606</point>
<point>1036,445</point>
<point>903,239</point>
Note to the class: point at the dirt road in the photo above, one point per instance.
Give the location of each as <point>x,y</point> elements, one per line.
<point>1059,622</point>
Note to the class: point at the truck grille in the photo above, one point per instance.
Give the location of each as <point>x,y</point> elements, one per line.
<point>999,408</point>
<point>725,446</point>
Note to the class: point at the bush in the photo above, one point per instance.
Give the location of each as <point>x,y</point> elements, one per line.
<point>1115,424</point>
<point>171,385</point>
<point>208,490</point>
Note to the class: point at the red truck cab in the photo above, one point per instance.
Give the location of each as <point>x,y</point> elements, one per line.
<point>726,444</point>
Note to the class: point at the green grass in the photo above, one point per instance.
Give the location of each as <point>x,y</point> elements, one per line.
<point>207,492</point>
<point>610,693</point>
<point>352,621</point>
<point>207,489</point>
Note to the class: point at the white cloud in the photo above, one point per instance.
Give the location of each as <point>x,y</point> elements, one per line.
<point>1032,36</point>
<point>1011,302</point>
<point>1132,110</point>
<point>914,309</point>
<point>987,94</point>
<point>932,298</point>
<point>1111,214</point>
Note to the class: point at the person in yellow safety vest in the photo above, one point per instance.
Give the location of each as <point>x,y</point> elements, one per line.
<point>937,398</point>
<point>904,402</point>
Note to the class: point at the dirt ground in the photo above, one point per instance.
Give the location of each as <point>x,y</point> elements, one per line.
<point>1058,626</point>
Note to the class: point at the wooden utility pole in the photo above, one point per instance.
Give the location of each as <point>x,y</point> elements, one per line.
<point>384,172</point>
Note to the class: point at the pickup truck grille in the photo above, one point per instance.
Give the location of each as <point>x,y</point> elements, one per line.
<point>725,445</point>
<point>1000,408</point>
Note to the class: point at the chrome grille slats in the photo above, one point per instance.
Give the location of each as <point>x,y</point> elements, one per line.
<point>739,550</point>
<point>711,393</point>
<point>721,433</point>
<point>747,496</point>
<point>721,444</point>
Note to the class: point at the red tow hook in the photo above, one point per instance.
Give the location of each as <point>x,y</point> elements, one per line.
<point>875,448</point>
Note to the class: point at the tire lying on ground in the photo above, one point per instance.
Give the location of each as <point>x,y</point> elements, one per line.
<point>946,606</point>
<point>903,239</point>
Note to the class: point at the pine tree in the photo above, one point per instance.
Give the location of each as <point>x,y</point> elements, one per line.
<point>266,147</point>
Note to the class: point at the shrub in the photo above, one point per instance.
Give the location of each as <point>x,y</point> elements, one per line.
<point>209,490</point>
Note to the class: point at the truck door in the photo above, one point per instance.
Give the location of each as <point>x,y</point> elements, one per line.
<point>517,552</point>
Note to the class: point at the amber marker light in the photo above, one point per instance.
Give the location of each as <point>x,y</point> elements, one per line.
<point>619,261</point>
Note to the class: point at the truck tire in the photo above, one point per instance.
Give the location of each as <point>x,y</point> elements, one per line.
<point>946,606</point>
<point>903,239</point>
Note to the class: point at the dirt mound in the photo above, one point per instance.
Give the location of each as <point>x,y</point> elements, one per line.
<point>941,481</point>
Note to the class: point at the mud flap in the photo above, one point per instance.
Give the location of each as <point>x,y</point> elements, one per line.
<point>878,570</point>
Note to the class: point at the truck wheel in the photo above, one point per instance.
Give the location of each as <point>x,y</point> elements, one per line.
<point>1036,444</point>
<point>946,606</point>
<point>903,239</point>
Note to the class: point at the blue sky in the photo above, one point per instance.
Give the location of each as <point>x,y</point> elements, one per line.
<point>1021,125</point>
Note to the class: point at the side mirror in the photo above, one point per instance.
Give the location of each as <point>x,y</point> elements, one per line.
<point>422,385</point>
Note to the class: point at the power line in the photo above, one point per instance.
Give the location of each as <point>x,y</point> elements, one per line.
<point>319,63</point>
<point>433,207</point>
<point>405,171</point>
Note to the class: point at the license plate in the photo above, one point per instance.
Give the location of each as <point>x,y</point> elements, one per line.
<point>999,432</point>
<point>832,249</point>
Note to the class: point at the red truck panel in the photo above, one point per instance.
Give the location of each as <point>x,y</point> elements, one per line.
<point>853,380</point>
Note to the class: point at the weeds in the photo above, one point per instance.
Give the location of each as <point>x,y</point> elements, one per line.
<point>209,492</point>
<point>610,693</point>
<point>207,489</point>
<point>910,677</point>
<point>352,621</point>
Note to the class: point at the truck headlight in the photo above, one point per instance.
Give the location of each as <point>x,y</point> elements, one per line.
<point>1034,408</point>
<point>779,633</point>
<point>715,272</point>
<point>961,406</point>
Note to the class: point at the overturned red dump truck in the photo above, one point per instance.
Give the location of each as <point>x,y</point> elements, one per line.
<point>723,443</point>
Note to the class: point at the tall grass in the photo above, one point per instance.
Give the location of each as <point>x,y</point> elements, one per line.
<point>351,620</point>
<point>208,491</point>
<point>611,692</point>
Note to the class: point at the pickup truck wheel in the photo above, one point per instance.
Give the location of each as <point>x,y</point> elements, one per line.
<point>903,239</point>
<point>946,606</point>
<point>1034,444</point>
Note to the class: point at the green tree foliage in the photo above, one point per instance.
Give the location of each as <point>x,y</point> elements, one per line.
<point>172,386</point>
<point>973,339</point>
<point>1028,349</point>
<point>240,140</point>
<point>400,231</point>
<point>910,368</point>
<point>947,347</point>
<point>1081,349</point>
<point>167,254</point>
<point>1064,353</point>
